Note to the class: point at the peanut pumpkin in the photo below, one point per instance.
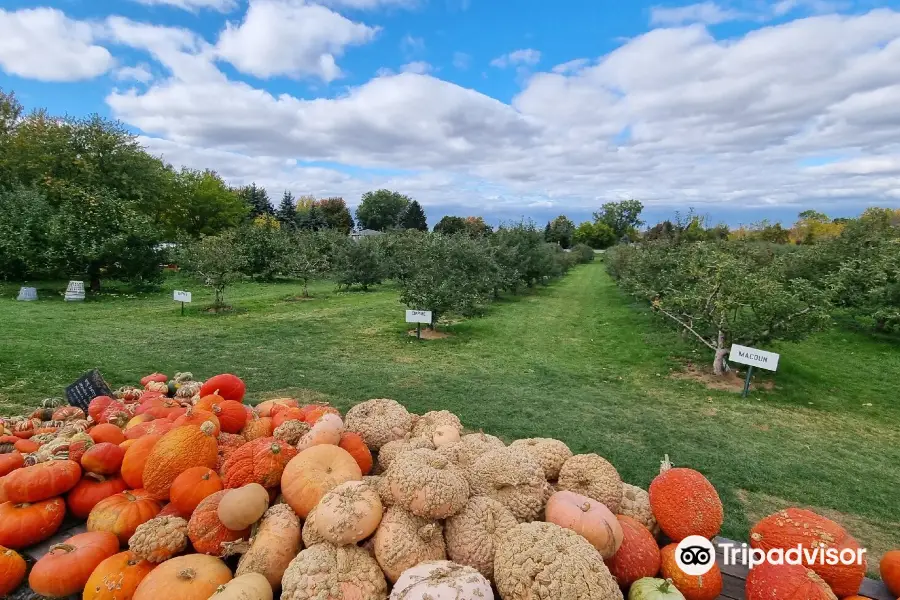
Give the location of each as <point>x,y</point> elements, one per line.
<point>242,507</point>
<point>274,546</point>
<point>178,451</point>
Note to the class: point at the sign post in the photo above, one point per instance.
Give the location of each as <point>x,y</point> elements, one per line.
<point>418,317</point>
<point>182,297</point>
<point>753,357</point>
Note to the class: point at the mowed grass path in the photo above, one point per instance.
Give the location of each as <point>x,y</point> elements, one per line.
<point>575,360</point>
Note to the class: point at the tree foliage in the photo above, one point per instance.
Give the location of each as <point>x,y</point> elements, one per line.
<point>257,199</point>
<point>381,210</point>
<point>414,217</point>
<point>560,230</point>
<point>597,235</point>
<point>624,217</point>
<point>215,261</point>
<point>336,214</point>
<point>358,262</point>
<point>287,210</point>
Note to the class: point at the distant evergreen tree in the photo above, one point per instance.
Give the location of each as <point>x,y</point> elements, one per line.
<point>313,219</point>
<point>287,210</point>
<point>548,232</point>
<point>257,199</point>
<point>414,217</point>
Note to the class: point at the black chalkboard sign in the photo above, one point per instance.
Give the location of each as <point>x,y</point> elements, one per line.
<point>89,386</point>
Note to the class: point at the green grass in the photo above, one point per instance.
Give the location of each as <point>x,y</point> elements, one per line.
<point>575,360</point>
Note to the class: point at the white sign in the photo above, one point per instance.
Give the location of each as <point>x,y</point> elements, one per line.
<point>182,296</point>
<point>418,316</point>
<point>754,357</point>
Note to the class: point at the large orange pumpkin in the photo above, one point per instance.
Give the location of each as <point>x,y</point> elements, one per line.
<point>257,428</point>
<point>702,587</point>
<point>135,459</point>
<point>12,570</point>
<point>178,451</point>
<point>88,492</point>
<point>192,487</point>
<point>261,461</point>
<point>41,481</point>
<point>160,408</point>
<point>206,531</point>
<point>313,473</point>
<point>785,582</point>
<point>117,577</point>
<point>231,414</point>
<point>795,527</point>
<point>685,503</point>
<point>353,443</point>
<point>66,568</point>
<point>23,525</point>
<point>121,514</point>
<point>10,462</point>
<point>226,385</point>
<point>103,459</point>
<point>190,577</point>
<point>637,557</point>
<point>107,432</point>
<point>890,571</point>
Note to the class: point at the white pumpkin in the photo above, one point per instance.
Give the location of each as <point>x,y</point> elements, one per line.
<point>441,580</point>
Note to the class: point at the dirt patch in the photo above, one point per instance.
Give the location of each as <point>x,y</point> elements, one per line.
<point>877,537</point>
<point>302,395</point>
<point>730,382</point>
<point>429,334</point>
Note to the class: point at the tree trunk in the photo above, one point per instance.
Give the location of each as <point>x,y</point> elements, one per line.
<point>720,367</point>
<point>95,283</point>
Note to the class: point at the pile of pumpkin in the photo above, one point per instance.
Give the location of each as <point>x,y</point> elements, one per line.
<point>190,493</point>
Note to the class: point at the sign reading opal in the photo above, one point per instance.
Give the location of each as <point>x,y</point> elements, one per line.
<point>418,316</point>
<point>754,357</point>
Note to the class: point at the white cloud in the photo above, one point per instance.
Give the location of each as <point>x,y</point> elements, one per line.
<point>571,66</point>
<point>784,7</point>
<point>461,60</point>
<point>292,38</point>
<point>370,4</point>
<point>708,13</point>
<point>419,67</point>
<point>140,73</point>
<point>44,44</point>
<point>527,56</point>
<point>223,6</point>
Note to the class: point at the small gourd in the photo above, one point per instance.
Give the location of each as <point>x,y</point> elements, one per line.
<point>650,588</point>
<point>242,507</point>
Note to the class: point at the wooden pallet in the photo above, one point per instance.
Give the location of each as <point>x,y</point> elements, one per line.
<point>734,579</point>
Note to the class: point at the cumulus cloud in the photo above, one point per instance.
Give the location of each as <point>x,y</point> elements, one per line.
<point>420,67</point>
<point>708,13</point>
<point>223,6</point>
<point>526,56</point>
<point>370,4</point>
<point>292,38</point>
<point>140,73</point>
<point>44,44</point>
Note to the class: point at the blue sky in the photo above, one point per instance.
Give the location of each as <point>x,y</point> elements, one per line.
<point>742,109</point>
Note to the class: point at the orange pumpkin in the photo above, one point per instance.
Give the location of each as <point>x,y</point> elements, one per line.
<point>117,577</point>
<point>178,451</point>
<point>190,577</point>
<point>121,514</point>
<point>588,518</point>
<point>10,462</point>
<point>785,582</point>
<point>158,427</point>
<point>197,417</point>
<point>231,414</point>
<point>107,432</point>
<point>66,568</point>
<point>890,571</point>
<point>637,557</point>
<point>169,510</point>
<point>261,461</point>
<point>137,420</point>
<point>192,487</point>
<point>103,459</point>
<point>23,525</point>
<point>3,497</point>
<point>280,414</point>
<point>41,481</point>
<point>313,473</point>
<point>794,527</point>
<point>160,408</point>
<point>98,405</point>
<point>265,408</point>
<point>702,587</point>
<point>135,458</point>
<point>206,531</point>
<point>226,385</point>
<point>88,492</point>
<point>256,428</point>
<point>353,443</point>
<point>126,445</point>
<point>314,412</point>
<point>208,402</point>
<point>27,446</point>
<point>12,570</point>
<point>154,377</point>
<point>685,503</point>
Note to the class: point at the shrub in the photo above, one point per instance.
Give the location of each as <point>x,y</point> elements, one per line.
<point>583,253</point>
<point>358,262</point>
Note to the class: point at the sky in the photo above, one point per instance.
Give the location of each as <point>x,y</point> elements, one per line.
<point>741,109</point>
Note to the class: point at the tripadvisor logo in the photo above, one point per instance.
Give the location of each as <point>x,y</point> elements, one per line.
<point>695,555</point>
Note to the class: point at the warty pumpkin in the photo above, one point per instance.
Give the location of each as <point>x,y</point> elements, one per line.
<point>12,570</point>
<point>241,507</point>
<point>441,580</point>
<point>334,573</point>
<point>176,452</point>
<point>313,473</point>
<point>135,458</point>
<point>257,427</point>
<point>159,539</point>
<point>637,557</point>
<point>207,532</point>
<point>702,587</point>
<point>121,514</point>
<point>66,567</point>
<point>261,461</point>
<point>88,492</point>
<point>192,487</point>
<point>427,484</point>
<point>273,546</point>
<point>348,514</point>
<point>41,481</point>
<point>23,525</point>
<point>117,577</point>
<point>103,459</point>
<point>890,571</point>
<point>685,503</point>
<point>327,430</point>
<point>785,582</point>
<point>472,534</point>
<point>403,540</point>
<point>229,386</point>
<point>189,577</point>
<point>588,518</point>
<point>353,443</point>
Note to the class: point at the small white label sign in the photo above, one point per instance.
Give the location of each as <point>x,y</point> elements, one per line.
<point>753,356</point>
<point>418,316</point>
<point>182,296</point>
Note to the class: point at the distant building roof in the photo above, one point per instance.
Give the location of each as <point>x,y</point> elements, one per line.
<point>365,232</point>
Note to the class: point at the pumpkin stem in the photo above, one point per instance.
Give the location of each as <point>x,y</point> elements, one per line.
<point>586,507</point>
<point>426,532</point>
<point>96,477</point>
<point>208,427</point>
<point>64,547</point>
<point>665,465</point>
<point>665,586</point>
<point>188,574</point>
<point>276,448</point>
<point>129,496</point>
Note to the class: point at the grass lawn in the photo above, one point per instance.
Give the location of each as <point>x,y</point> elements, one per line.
<point>575,360</point>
